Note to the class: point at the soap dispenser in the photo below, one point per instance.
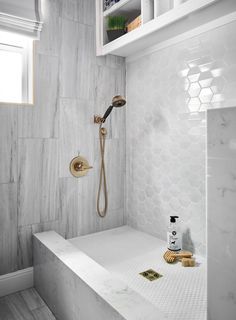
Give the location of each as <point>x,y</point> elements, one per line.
<point>174,236</point>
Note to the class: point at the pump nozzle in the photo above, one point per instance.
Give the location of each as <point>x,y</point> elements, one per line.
<point>173,218</point>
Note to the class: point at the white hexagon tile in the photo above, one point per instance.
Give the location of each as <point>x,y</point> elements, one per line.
<point>168,94</point>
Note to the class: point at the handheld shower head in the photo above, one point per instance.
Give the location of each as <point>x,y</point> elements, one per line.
<point>117,102</point>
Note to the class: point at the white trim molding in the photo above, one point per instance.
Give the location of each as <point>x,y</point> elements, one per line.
<point>16,281</point>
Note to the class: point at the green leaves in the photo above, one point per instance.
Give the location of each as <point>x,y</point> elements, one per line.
<point>116,22</point>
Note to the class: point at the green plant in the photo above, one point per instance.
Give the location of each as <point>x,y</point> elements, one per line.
<point>116,22</point>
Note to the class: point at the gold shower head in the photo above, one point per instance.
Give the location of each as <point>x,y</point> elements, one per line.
<point>118,101</point>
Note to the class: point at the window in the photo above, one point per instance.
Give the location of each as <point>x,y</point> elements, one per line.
<point>16,72</point>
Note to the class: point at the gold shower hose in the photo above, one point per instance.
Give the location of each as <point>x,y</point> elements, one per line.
<point>102,178</point>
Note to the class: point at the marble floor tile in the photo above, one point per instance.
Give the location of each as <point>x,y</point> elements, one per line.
<point>24,305</point>
<point>32,299</point>
<point>43,313</point>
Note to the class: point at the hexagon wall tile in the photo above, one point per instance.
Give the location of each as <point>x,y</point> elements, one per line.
<point>168,94</point>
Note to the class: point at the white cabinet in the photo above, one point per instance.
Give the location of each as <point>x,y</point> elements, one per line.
<point>161,21</point>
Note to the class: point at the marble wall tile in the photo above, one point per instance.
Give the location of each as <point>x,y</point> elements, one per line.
<point>8,228</point>
<point>80,11</point>
<point>86,12</point>
<point>69,59</point>
<point>115,167</point>
<point>168,91</point>
<point>60,124</point>
<point>86,63</point>
<point>37,181</point>
<point>109,82</point>
<point>41,119</point>
<point>25,237</point>
<point>78,206</point>
<point>77,75</point>
<point>50,40</point>
<point>69,10</point>
<point>165,154</point>
<point>24,247</point>
<point>76,132</point>
<point>8,144</point>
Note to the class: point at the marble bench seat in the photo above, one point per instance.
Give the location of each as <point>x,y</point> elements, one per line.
<point>75,287</point>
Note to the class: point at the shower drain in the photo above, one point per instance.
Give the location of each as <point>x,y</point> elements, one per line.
<point>151,275</point>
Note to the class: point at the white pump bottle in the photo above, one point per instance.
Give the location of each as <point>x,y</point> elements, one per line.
<point>174,236</point>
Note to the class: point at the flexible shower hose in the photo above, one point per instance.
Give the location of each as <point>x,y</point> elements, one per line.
<point>102,177</point>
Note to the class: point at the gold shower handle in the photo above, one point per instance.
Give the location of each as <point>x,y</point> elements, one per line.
<point>79,166</point>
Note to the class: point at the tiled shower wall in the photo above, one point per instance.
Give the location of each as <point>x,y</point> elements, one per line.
<point>168,92</point>
<point>38,142</point>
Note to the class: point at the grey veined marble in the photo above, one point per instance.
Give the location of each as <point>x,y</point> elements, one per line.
<point>221,214</point>
<point>38,142</point>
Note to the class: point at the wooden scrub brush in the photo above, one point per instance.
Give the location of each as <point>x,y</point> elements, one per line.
<point>171,256</point>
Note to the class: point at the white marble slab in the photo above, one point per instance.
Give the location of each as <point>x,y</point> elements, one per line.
<point>221,133</point>
<point>62,273</point>
<point>221,214</point>
<point>125,252</point>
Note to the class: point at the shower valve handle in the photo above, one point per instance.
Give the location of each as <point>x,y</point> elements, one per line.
<point>79,166</point>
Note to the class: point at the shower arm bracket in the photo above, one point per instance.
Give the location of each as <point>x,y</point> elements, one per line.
<point>98,119</point>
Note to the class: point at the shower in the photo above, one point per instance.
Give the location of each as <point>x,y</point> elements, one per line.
<point>117,102</point>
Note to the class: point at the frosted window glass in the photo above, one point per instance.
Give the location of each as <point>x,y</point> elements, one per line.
<point>11,64</point>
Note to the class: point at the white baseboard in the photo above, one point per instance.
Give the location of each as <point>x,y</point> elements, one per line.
<point>16,281</point>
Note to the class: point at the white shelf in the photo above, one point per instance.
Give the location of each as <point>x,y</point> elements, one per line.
<point>181,19</point>
<point>123,6</point>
